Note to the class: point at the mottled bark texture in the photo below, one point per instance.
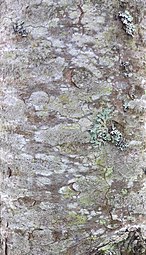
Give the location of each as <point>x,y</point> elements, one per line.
<point>73,173</point>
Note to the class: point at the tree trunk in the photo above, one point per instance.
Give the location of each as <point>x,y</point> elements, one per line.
<point>73,109</point>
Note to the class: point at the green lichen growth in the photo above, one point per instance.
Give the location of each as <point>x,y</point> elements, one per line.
<point>100,162</point>
<point>104,130</point>
<point>69,193</point>
<point>108,172</point>
<point>107,250</point>
<point>99,132</point>
<point>103,222</point>
<point>76,218</point>
<point>86,201</point>
<point>64,99</point>
<point>10,55</point>
<point>124,192</point>
<point>71,148</point>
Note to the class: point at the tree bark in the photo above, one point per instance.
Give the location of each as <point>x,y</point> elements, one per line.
<point>73,111</point>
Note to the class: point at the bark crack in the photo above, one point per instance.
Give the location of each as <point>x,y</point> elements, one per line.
<point>80,17</point>
<point>6,246</point>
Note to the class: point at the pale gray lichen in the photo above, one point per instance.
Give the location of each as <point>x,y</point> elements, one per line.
<point>99,131</point>
<point>127,21</point>
<point>104,130</point>
<point>19,29</point>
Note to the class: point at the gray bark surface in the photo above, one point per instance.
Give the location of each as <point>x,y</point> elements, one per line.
<point>72,172</point>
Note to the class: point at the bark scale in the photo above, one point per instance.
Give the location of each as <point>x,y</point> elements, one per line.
<point>73,172</point>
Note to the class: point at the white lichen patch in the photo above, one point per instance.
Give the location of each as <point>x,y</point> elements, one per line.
<point>45,205</point>
<point>38,100</point>
<point>85,124</point>
<point>41,181</point>
<point>14,109</point>
<point>93,23</point>
<point>103,89</point>
<point>6,156</point>
<point>138,105</point>
<point>81,40</point>
<point>106,61</point>
<point>60,134</point>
